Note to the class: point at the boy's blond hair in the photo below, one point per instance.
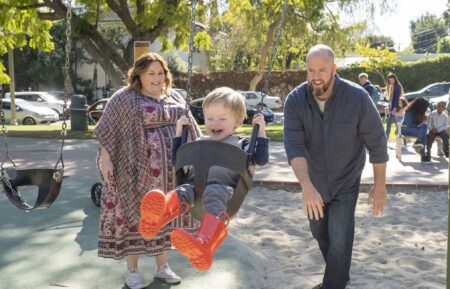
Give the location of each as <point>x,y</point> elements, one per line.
<point>229,98</point>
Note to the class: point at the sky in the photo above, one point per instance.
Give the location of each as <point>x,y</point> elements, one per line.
<point>396,24</point>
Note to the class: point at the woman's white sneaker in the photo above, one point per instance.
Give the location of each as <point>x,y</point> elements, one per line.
<point>134,279</point>
<point>165,274</point>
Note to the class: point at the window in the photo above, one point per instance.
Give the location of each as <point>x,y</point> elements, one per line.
<point>6,105</point>
<point>252,96</point>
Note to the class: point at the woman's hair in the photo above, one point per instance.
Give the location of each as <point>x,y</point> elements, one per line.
<point>403,101</point>
<point>141,65</point>
<point>418,107</point>
<point>390,89</point>
<point>229,98</point>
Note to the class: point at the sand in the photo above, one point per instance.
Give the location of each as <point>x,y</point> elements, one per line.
<point>404,248</point>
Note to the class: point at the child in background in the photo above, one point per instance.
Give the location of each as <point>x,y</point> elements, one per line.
<point>224,110</point>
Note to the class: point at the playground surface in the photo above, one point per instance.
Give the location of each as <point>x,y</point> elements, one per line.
<point>269,243</point>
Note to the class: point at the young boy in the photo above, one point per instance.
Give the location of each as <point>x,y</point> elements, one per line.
<point>224,111</point>
<point>437,126</point>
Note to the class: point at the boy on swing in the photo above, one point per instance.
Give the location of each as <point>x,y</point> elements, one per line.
<point>224,110</point>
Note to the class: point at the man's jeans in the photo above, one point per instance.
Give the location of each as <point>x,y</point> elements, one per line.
<point>335,234</point>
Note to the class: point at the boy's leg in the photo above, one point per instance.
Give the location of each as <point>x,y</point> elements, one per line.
<point>215,198</point>
<point>444,136</point>
<point>430,141</point>
<point>158,209</point>
<point>200,248</point>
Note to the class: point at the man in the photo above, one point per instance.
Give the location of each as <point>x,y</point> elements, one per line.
<point>437,126</point>
<point>329,122</point>
<point>365,82</point>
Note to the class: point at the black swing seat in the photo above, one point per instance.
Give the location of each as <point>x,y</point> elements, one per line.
<point>204,154</point>
<point>48,182</point>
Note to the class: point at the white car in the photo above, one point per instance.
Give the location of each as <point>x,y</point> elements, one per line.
<point>434,101</point>
<point>41,98</point>
<point>254,98</point>
<point>28,114</point>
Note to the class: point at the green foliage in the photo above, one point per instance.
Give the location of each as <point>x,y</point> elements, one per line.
<point>378,60</point>
<point>425,33</point>
<point>20,28</point>
<point>443,45</point>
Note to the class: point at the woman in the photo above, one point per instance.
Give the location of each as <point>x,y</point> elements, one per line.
<point>135,134</point>
<point>415,123</point>
<point>394,93</point>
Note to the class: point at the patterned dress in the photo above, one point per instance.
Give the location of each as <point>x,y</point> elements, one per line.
<point>117,237</point>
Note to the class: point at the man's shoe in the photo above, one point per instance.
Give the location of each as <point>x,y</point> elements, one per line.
<point>165,274</point>
<point>134,279</point>
<point>418,147</point>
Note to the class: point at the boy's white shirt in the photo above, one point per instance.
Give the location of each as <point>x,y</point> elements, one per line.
<point>438,121</point>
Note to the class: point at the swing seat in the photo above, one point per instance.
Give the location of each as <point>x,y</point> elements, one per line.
<point>214,154</point>
<point>48,182</point>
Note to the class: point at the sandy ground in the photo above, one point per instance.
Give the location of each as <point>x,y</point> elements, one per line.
<point>404,248</point>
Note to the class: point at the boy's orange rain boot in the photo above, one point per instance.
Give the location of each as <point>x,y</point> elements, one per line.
<point>200,248</point>
<point>157,210</point>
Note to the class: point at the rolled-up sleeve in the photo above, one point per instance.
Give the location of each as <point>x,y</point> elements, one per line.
<point>372,131</point>
<point>294,132</point>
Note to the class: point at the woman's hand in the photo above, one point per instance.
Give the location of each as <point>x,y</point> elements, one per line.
<point>106,169</point>
<point>182,121</point>
<point>259,119</point>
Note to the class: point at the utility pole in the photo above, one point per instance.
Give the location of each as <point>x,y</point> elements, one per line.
<point>12,85</point>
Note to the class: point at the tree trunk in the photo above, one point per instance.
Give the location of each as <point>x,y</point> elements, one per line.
<point>262,62</point>
<point>114,75</point>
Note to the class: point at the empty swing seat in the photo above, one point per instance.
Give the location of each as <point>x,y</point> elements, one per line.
<point>48,182</point>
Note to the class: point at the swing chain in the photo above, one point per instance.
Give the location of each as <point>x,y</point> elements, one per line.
<point>67,85</point>
<point>67,80</point>
<point>191,52</point>
<point>272,56</point>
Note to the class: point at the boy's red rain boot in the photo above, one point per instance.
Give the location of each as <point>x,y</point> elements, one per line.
<point>157,210</point>
<point>200,248</point>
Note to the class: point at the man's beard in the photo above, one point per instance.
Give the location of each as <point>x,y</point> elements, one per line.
<point>317,92</point>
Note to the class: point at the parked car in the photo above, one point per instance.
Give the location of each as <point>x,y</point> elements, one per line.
<point>40,98</point>
<point>28,114</point>
<point>435,100</point>
<point>433,90</point>
<point>254,98</point>
<point>95,110</point>
<point>197,112</point>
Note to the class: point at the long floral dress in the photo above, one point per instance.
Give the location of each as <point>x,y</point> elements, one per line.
<point>117,237</point>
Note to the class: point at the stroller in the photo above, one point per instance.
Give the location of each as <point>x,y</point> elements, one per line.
<point>96,193</point>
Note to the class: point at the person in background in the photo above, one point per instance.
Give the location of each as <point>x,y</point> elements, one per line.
<point>394,93</point>
<point>329,124</point>
<point>437,126</point>
<point>415,124</point>
<point>371,89</point>
<point>135,134</point>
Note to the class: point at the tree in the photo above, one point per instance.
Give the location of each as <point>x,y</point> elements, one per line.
<point>249,28</point>
<point>20,28</point>
<point>443,45</point>
<point>426,32</point>
<point>378,60</point>
<point>143,20</point>
<point>376,41</point>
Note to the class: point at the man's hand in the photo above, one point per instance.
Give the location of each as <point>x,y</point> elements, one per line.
<point>312,203</point>
<point>378,198</point>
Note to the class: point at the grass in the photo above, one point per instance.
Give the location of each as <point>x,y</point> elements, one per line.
<point>273,131</point>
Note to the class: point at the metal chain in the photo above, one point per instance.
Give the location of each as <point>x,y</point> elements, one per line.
<point>67,81</point>
<point>191,52</point>
<point>272,56</point>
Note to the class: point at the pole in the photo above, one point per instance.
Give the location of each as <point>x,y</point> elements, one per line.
<point>12,85</point>
<point>448,226</point>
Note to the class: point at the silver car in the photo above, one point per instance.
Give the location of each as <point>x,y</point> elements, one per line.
<point>28,114</point>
